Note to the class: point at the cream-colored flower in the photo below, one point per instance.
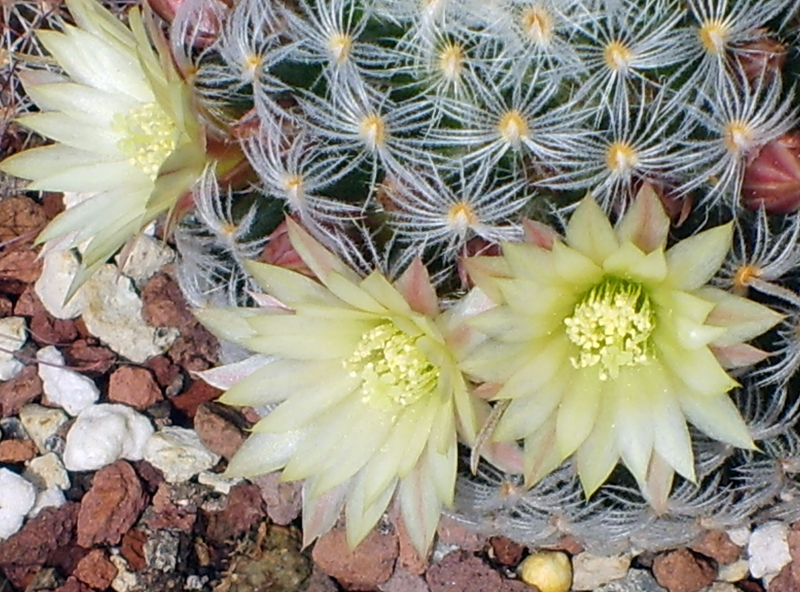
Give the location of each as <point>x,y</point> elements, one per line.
<point>605,343</point>
<point>369,396</point>
<point>123,128</point>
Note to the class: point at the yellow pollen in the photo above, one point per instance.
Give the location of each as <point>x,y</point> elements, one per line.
<point>618,56</point>
<point>373,131</point>
<point>461,217</point>
<point>621,157</point>
<point>394,372</point>
<point>340,45</point>
<point>738,136</point>
<point>538,25</point>
<point>513,127</point>
<point>451,61</point>
<point>149,136</point>
<point>714,35</point>
<point>611,326</point>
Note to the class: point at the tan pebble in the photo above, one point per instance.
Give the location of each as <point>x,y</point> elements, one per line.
<point>549,571</point>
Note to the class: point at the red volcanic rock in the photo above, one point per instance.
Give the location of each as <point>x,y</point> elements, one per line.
<point>133,386</point>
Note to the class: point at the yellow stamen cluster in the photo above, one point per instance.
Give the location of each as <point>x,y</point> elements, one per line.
<point>611,325</point>
<point>394,372</point>
<point>149,137</point>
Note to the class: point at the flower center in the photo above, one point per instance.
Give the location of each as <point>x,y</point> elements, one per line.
<point>372,131</point>
<point>394,372</point>
<point>738,136</point>
<point>339,46</point>
<point>461,217</point>
<point>611,325</point>
<point>148,137</point>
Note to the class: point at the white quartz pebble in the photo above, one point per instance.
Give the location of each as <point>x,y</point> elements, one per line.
<point>46,472</point>
<point>179,454</point>
<point>41,423</point>
<point>52,497</point>
<point>592,571</point>
<point>768,549</point>
<point>103,434</point>
<point>13,335</point>
<point>65,388</point>
<point>17,499</point>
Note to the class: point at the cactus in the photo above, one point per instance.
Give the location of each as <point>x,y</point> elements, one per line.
<point>399,131</point>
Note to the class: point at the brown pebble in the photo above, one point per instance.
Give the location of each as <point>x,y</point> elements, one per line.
<point>111,506</point>
<point>197,394</point>
<point>506,551</point>
<point>133,386</point>
<point>462,571</point>
<point>220,428</point>
<point>17,451</point>
<point>24,388</point>
<point>403,581</point>
<point>452,533</point>
<point>283,499</point>
<point>88,358</point>
<point>96,570</point>
<point>132,549</point>
<point>168,375</point>
<point>717,545</point>
<point>409,559</point>
<point>244,508</point>
<point>73,584</point>
<point>683,571</point>
<point>363,568</point>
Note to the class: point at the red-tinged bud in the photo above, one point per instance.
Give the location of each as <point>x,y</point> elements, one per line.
<point>772,178</point>
<point>762,60</point>
<point>280,252</point>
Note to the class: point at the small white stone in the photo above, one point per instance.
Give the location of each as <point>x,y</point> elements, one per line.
<point>734,572</point>
<point>13,335</point>
<point>41,423</point>
<point>739,536</point>
<point>721,587</point>
<point>103,434</point>
<point>125,580</point>
<point>592,571</point>
<point>69,390</point>
<point>46,472</point>
<point>113,313</point>
<point>49,498</point>
<point>58,271</point>
<point>179,454</point>
<point>17,499</point>
<point>768,549</point>
<point>146,257</point>
<point>217,481</point>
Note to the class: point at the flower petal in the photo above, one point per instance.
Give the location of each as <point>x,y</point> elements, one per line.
<point>420,507</point>
<point>69,131</point>
<point>598,455</point>
<point>362,516</point>
<point>579,408</point>
<point>289,286</point>
<point>415,286</point>
<point>229,324</point>
<point>633,418</point>
<point>743,319</point>
<point>302,338</point>
<point>224,377</point>
<point>264,453</point>
<point>321,261</point>
<point>545,360</point>
<point>698,368</point>
<point>590,232</point>
<point>694,261</point>
<point>718,417</point>
<point>645,224</point>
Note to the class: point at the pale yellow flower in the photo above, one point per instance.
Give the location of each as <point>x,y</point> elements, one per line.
<point>123,128</point>
<point>369,396</point>
<point>605,343</point>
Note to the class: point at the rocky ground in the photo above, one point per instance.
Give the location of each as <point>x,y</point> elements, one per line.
<point>136,502</point>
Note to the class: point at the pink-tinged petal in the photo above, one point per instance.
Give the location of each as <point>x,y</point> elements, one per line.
<point>420,507</point>
<point>271,303</point>
<point>658,486</point>
<point>541,455</point>
<point>743,318</point>
<point>539,234</point>
<point>739,355</point>
<point>321,513</point>
<point>415,286</point>
<point>487,391</point>
<point>645,224</point>
<point>321,261</point>
<point>506,456</point>
<point>224,377</point>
